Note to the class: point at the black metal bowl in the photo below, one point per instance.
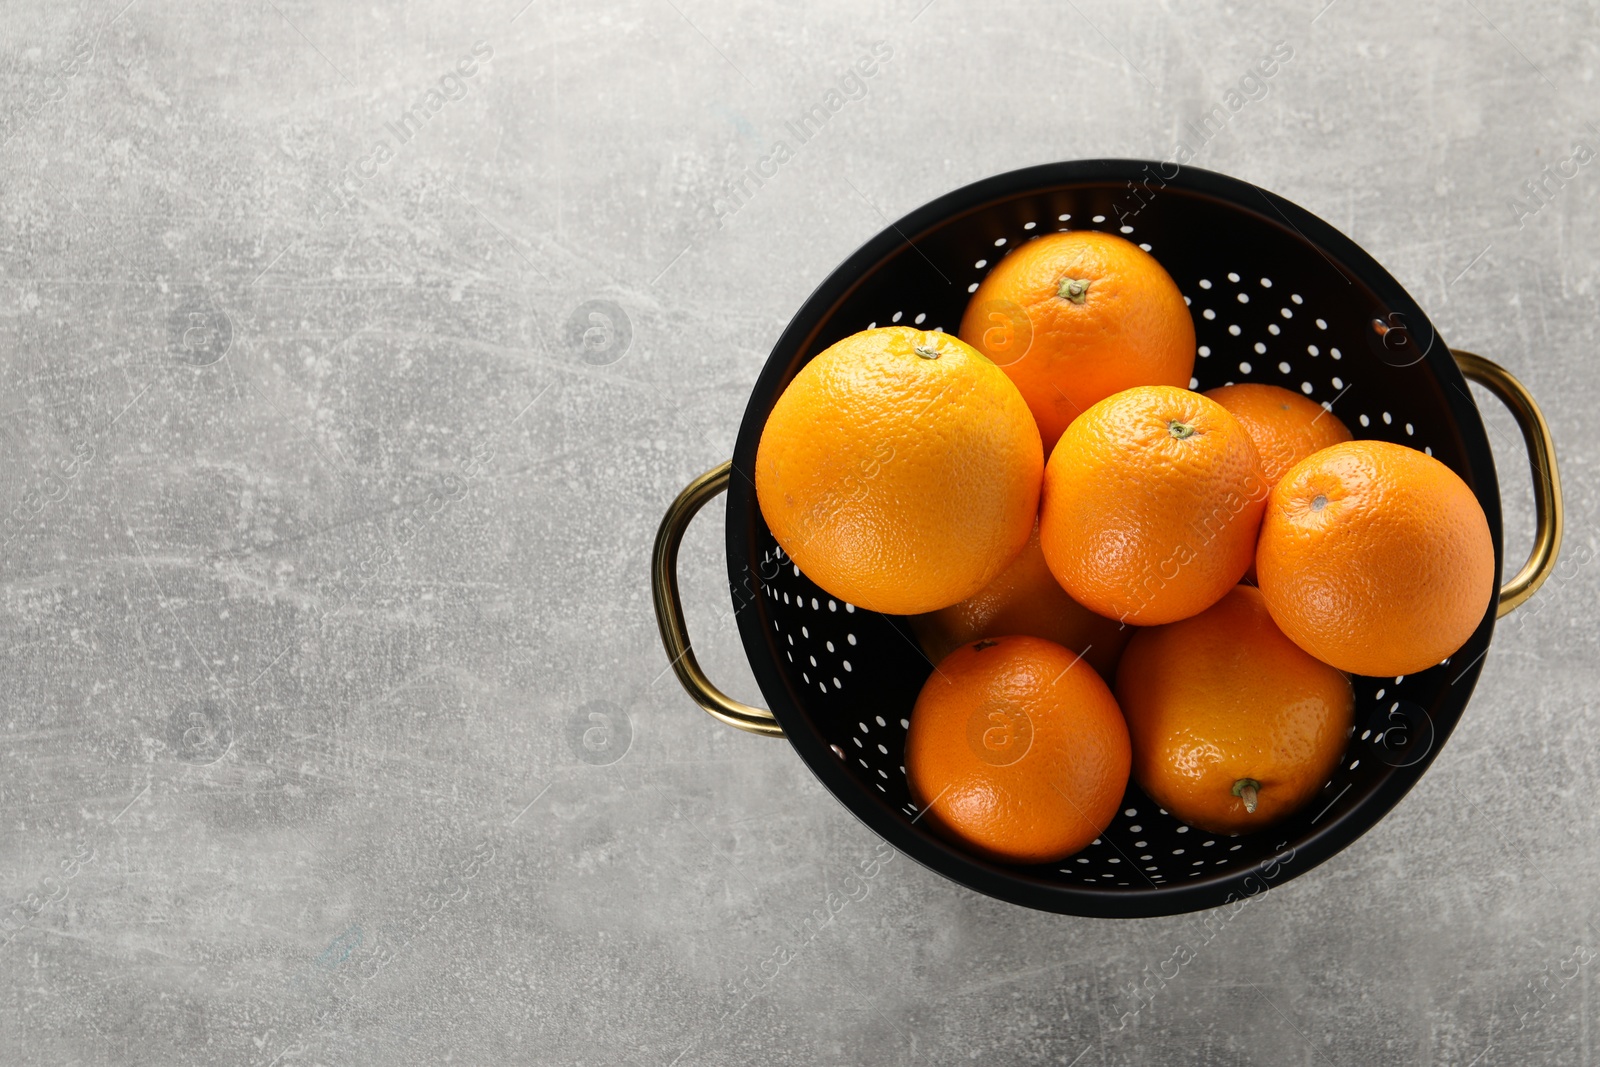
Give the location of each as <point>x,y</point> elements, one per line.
<point>1278,296</point>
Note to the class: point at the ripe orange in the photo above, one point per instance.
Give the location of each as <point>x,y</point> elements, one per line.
<point>1152,501</point>
<point>1074,317</point>
<point>1017,750</point>
<point>1284,426</point>
<point>1233,726</point>
<point>1375,558</point>
<point>1025,598</point>
<point>900,470</point>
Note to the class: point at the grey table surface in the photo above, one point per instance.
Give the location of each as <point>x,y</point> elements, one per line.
<point>334,727</point>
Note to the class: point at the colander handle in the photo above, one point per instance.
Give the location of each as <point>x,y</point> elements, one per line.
<point>669,609</point>
<point>1546,479</point>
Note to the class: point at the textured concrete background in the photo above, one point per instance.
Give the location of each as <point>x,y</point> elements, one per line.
<point>333,724</point>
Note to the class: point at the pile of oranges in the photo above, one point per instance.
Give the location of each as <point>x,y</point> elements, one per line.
<point>1113,574</point>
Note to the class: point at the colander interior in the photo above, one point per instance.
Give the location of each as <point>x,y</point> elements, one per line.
<point>1270,305</point>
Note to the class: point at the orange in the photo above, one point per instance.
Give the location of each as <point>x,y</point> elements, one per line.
<point>1152,500</point>
<point>1074,317</point>
<point>900,470</point>
<point>1375,558</point>
<point>1233,726</point>
<point>1284,426</point>
<point>1017,750</point>
<point>1025,599</point>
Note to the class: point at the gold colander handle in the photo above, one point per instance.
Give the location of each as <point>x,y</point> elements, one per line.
<point>1546,480</point>
<point>669,609</point>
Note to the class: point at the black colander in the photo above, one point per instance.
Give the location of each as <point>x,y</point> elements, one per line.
<point>1278,296</point>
